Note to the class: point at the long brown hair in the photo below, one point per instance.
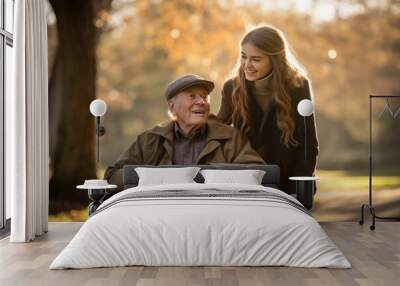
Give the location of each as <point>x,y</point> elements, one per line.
<point>286,74</point>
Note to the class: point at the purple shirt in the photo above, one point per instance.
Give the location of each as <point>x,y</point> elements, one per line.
<point>187,149</point>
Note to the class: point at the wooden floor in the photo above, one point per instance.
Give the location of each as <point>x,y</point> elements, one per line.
<point>374,255</point>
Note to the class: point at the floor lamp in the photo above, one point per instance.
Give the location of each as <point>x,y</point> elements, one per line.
<point>98,108</point>
<point>97,189</point>
<point>305,109</point>
<point>305,185</point>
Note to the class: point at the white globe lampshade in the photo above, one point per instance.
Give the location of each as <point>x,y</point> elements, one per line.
<point>98,107</point>
<point>305,107</point>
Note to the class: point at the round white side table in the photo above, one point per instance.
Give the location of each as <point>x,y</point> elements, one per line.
<point>96,194</point>
<point>305,189</point>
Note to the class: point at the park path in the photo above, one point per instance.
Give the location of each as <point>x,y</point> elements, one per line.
<point>345,205</point>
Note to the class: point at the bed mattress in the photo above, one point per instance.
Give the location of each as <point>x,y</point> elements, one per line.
<point>201,225</point>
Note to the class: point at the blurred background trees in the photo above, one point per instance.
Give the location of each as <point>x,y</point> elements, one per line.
<point>350,49</point>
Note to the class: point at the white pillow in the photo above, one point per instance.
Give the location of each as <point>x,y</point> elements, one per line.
<point>248,177</point>
<point>164,176</point>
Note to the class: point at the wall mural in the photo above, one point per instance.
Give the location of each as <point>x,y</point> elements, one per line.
<point>253,66</point>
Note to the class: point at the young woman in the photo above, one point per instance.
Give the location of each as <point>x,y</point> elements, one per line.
<point>261,101</point>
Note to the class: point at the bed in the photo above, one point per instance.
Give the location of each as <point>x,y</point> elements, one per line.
<point>201,224</point>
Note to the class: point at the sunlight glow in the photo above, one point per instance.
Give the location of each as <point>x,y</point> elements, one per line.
<point>320,11</point>
<point>175,33</point>
<point>332,54</point>
<point>214,75</point>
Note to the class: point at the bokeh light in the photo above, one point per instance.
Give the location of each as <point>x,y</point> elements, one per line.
<point>332,54</point>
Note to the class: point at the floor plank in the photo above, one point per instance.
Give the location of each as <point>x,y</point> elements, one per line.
<point>375,257</point>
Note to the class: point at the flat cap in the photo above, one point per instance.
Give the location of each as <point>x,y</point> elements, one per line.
<point>186,81</point>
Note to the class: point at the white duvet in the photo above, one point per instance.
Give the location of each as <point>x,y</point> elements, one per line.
<point>182,231</point>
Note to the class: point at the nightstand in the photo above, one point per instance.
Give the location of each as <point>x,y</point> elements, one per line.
<point>305,189</point>
<point>96,194</point>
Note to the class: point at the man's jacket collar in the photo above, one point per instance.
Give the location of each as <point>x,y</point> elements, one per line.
<point>216,130</point>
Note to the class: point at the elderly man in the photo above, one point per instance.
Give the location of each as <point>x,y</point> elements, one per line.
<point>191,137</point>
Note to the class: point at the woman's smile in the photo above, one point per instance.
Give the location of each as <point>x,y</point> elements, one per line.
<point>254,62</point>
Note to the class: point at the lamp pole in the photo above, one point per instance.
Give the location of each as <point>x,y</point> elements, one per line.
<point>98,108</point>
<point>305,139</point>
<point>305,109</point>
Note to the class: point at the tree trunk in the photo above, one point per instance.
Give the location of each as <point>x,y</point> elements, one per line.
<point>55,97</point>
<point>74,154</point>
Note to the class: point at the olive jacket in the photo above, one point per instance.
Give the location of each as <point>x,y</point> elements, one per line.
<point>224,144</point>
<point>266,136</point>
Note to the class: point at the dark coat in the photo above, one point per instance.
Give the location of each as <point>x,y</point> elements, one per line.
<point>266,136</point>
<point>224,144</point>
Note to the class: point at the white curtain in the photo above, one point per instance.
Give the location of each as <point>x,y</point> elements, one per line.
<point>27,124</point>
